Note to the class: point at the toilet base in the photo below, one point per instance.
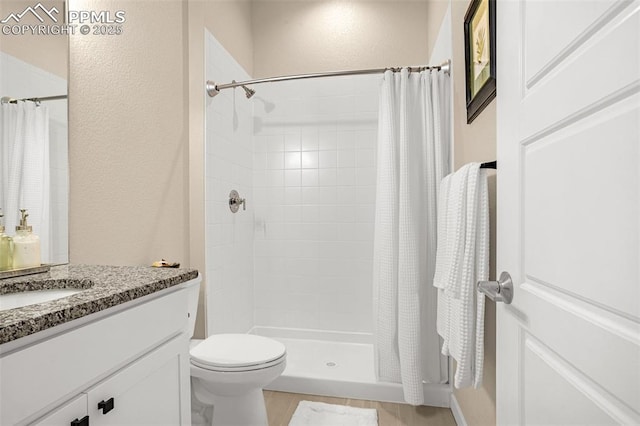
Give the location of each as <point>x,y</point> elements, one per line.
<point>240,409</point>
<point>246,410</point>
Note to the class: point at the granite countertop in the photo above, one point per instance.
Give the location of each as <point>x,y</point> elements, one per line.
<point>102,287</point>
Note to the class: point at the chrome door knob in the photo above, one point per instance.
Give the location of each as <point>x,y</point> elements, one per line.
<point>498,291</point>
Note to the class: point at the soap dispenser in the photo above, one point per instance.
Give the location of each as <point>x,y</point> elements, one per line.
<point>6,248</point>
<point>26,245</point>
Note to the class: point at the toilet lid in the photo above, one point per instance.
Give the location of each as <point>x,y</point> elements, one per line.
<point>236,350</point>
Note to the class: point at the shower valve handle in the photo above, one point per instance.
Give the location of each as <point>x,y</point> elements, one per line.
<point>235,201</point>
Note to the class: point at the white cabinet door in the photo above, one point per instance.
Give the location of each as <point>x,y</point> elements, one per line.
<point>147,392</point>
<point>568,348</point>
<point>75,410</point>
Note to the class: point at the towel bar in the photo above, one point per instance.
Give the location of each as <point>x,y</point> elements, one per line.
<point>498,291</point>
<point>489,165</point>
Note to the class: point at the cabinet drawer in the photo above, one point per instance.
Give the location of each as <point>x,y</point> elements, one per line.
<point>44,375</point>
<point>63,416</point>
<point>146,392</point>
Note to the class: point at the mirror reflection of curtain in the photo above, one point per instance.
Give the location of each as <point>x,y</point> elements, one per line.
<point>24,169</point>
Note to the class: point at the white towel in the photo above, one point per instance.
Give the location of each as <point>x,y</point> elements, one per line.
<point>442,262</point>
<point>463,259</point>
<point>439,278</point>
<point>452,216</point>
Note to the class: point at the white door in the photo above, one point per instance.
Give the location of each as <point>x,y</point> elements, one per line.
<point>568,349</point>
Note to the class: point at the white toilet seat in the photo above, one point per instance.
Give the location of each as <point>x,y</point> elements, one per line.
<point>237,353</point>
<point>240,369</point>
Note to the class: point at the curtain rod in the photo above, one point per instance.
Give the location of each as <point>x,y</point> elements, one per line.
<point>10,100</point>
<point>213,88</point>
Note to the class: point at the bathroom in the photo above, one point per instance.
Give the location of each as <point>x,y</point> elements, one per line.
<point>149,178</point>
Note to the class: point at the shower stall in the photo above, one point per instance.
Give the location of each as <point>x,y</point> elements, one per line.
<point>297,264</point>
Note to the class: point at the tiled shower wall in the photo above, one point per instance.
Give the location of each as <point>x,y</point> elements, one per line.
<point>229,239</point>
<point>314,192</point>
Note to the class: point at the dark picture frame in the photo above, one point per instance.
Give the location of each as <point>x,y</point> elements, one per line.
<point>480,56</point>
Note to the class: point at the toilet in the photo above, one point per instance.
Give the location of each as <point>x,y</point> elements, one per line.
<point>228,372</point>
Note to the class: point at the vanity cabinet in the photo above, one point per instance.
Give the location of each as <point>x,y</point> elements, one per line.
<point>144,393</point>
<point>147,392</point>
<point>130,366</point>
<point>71,413</point>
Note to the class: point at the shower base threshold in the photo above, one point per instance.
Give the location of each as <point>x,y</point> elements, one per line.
<point>338,367</point>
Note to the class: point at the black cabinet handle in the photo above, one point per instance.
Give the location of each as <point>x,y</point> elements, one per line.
<point>83,422</point>
<point>105,406</point>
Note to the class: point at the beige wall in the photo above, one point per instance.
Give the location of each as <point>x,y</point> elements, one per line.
<point>128,138</point>
<point>136,131</point>
<point>230,23</point>
<point>45,52</point>
<point>436,10</point>
<point>197,219</point>
<point>476,142</point>
<point>292,37</point>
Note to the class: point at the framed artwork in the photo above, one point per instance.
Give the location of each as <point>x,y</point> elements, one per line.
<point>480,55</point>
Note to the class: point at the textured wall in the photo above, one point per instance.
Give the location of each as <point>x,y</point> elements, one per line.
<point>229,21</point>
<point>476,142</point>
<point>137,120</point>
<point>128,138</point>
<point>45,52</point>
<point>437,12</point>
<point>293,37</point>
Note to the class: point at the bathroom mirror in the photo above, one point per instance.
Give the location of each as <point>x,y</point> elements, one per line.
<point>34,166</point>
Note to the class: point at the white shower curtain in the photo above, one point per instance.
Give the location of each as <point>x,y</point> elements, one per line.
<point>24,169</point>
<point>413,156</point>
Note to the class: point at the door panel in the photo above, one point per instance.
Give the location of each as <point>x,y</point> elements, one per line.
<point>578,334</point>
<point>568,198</point>
<point>608,65</point>
<point>545,371</point>
<point>546,49</point>
<point>568,348</point>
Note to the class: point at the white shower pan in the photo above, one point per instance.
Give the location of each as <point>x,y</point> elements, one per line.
<point>337,364</point>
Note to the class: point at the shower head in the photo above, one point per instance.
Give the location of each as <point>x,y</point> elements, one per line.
<point>248,92</point>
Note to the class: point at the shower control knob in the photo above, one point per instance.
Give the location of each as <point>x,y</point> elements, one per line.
<point>235,201</point>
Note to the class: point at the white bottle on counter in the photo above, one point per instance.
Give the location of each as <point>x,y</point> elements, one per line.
<point>6,248</point>
<point>26,245</point>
